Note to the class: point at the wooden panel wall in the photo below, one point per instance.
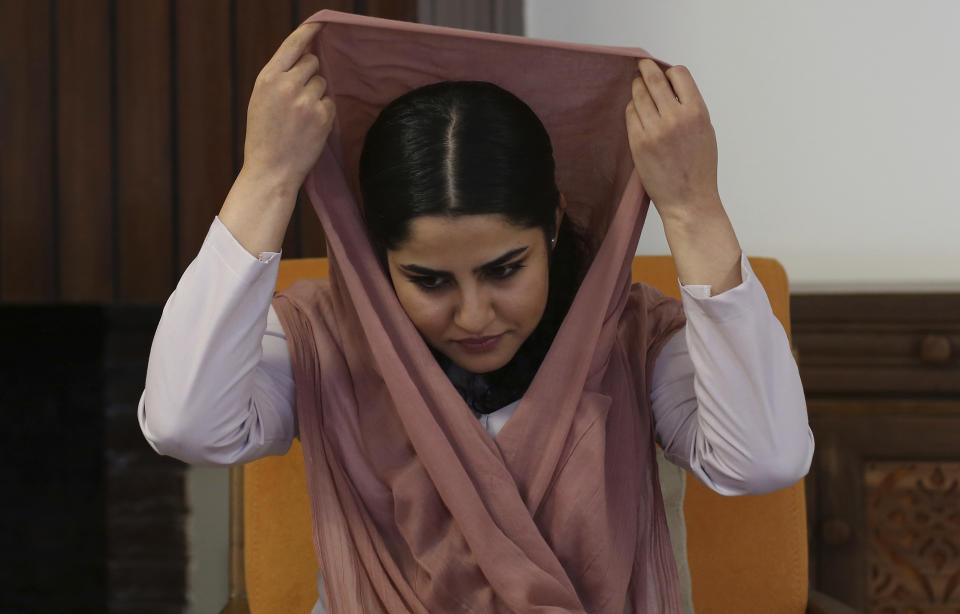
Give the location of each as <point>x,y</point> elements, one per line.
<point>121,130</point>
<point>28,269</point>
<point>881,374</point>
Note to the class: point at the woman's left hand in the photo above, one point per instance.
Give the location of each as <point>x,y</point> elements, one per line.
<point>674,150</point>
<point>672,141</point>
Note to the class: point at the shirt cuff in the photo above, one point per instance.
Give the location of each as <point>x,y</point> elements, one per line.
<point>235,256</point>
<point>745,297</point>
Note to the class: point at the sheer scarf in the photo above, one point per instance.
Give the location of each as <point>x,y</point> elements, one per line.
<point>415,507</point>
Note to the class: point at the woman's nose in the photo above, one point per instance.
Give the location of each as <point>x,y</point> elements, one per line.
<point>475,311</point>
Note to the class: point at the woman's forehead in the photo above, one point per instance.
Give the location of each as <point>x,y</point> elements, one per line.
<point>466,239</point>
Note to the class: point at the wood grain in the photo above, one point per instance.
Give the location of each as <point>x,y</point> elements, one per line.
<point>847,442</point>
<point>306,8</point>
<point>205,140</point>
<point>85,153</point>
<point>878,344</point>
<point>27,250</point>
<point>144,160</point>
<point>404,10</point>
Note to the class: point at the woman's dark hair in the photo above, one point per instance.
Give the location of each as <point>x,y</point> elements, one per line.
<point>464,148</point>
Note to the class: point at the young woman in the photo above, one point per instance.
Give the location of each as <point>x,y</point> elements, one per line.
<point>463,212</point>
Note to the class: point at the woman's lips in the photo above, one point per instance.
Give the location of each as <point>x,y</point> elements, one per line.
<point>479,345</point>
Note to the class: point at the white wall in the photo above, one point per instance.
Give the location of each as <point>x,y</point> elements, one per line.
<point>838,124</point>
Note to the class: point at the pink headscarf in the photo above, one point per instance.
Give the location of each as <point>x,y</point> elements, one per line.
<point>416,508</point>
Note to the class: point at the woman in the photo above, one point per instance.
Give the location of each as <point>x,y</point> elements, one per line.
<point>462,210</point>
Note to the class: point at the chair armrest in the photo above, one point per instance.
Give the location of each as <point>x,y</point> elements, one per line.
<point>236,605</point>
<point>819,603</point>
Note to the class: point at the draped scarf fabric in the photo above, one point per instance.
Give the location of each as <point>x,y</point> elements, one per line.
<point>415,507</point>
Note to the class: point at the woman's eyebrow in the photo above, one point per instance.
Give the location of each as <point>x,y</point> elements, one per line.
<point>419,270</point>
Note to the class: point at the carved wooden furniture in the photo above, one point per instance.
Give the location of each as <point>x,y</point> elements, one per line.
<point>882,375</point>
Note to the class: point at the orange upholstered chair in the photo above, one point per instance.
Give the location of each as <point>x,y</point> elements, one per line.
<point>747,555</point>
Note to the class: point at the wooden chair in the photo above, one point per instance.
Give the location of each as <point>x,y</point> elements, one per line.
<point>746,554</point>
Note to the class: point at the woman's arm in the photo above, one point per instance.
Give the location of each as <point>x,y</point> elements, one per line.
<point>219,387</point>
<point>727,399</point>
<point>675,153</point>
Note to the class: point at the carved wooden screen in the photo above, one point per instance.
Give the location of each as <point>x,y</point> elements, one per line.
<point>882,377</point>
<point>913,529</point>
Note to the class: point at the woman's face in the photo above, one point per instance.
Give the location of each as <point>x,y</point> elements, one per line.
<point>475,286</point>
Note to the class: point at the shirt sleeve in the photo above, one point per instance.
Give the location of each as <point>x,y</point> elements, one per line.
<point>219,387</point>
<point>727,398</point>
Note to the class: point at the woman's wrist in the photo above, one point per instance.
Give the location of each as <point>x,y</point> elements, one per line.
<point>704,246</point>
<point>258,209</point>
<point>688,214</point>
<point>278,187</point>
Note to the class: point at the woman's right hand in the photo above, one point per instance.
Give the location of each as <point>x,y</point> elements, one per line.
<point>288,121</point>
<point>289,117</point>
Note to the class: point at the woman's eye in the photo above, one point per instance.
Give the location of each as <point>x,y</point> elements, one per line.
<point>505,271</point>
<point>429,283</point>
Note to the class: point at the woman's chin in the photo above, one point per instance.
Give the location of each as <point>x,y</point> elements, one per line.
<point>478,365</point>
<point>483,362</point>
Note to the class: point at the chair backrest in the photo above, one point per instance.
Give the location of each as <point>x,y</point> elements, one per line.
<point>746,554</point>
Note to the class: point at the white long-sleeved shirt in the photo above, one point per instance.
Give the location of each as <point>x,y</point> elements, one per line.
<point>727,400</point>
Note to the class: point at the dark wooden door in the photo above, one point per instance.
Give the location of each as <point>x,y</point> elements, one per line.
<point>122,130</point>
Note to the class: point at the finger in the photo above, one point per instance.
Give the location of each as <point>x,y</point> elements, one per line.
<point>305,68</point>
<point>643,104</point>
<point>660,89</point>
<point>327,113</point>
<point>683,84</point>
<point>293,47</point>
<point>328,106</point>
<point>633,120</point>
<point>316,87</point>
